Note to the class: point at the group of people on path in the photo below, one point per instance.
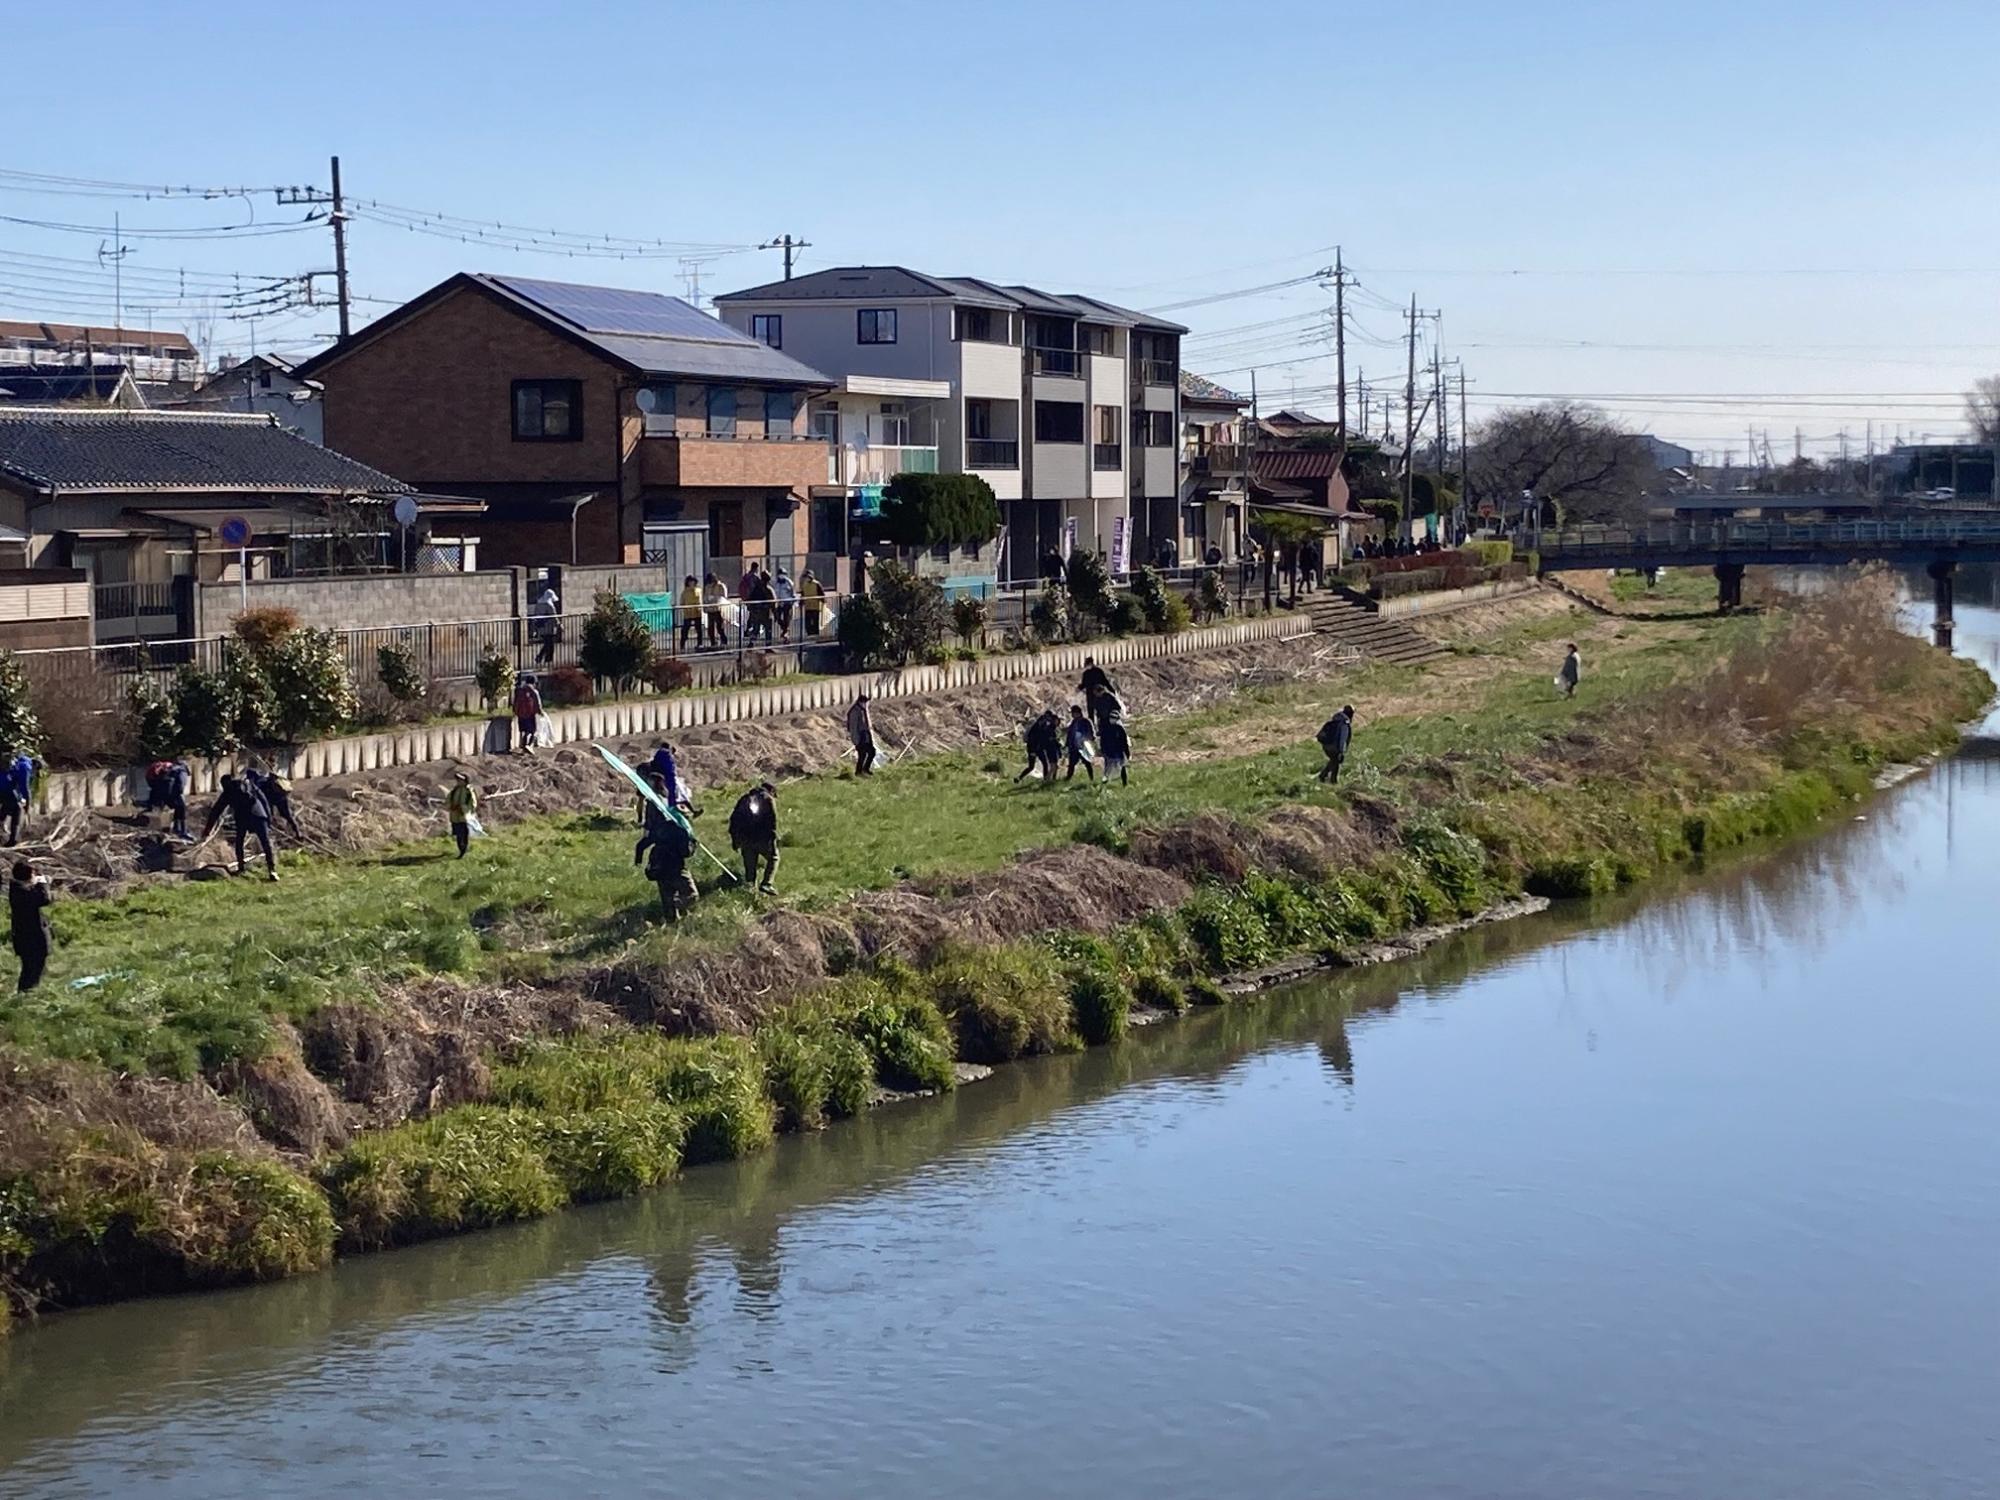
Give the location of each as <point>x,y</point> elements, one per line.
<point>769,600</point>
<point>1095,731</point>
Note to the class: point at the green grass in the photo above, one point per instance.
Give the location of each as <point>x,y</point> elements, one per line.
<point>1679,589</point>
<point>179,978</point>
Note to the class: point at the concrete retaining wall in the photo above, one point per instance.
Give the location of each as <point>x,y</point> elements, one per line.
<point>65,790</point>
<point>1444,600</point>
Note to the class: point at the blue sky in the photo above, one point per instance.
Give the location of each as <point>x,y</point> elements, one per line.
<point>1604,199</point>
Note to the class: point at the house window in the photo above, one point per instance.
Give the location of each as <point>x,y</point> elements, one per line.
<point>780,409</point>
<point>1107,424</point>
<point>721,411</point>
<point>978,418</point>
<point>548,411</point>
<point>1097,341</point>
<point>875,325</point>
<point>768,328</point>
<point>1153,429</point>
<point>1058,421</point>
<point>975,325</point>
<point>825,427</point>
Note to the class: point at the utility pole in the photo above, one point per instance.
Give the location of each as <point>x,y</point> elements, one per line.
<point>1361,400</point>
<point>337,216</point>
<point>340,249</point>
<point>1464,441</point>
<point>789,245</point>
<point>1340,339</point>
<point>1410,419</point>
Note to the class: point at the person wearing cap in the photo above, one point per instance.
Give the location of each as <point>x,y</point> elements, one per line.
<point>861,732</point>
<point>753,832</point>
<point>460,803</point>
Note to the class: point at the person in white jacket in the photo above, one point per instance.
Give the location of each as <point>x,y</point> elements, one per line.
<point>714,600</point>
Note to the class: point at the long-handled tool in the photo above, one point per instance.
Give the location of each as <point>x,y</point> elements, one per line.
<point>646,791</point>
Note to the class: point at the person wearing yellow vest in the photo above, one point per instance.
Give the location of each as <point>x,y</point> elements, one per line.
<point>460,804</point>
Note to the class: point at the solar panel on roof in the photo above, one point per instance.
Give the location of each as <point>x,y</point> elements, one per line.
<point>606,309</point>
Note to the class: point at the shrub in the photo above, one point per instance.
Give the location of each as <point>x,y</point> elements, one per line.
<point>669,674</point>
<point>1558,878</point>
<point>1090,585</point>
<point>311,690</point>
<point>913,609</point>
<point>904,1033</point>
<point>614,1153</point>
<point>1490,554</point>
<point>617,644</point>
<point>1052,618</point>
<point>814,1073</point>
<point>929,510</point>
<point>1125,616</point>
<point>114,1213</point>
<point>1102,1005</point>
<point>1211,597</point>
<point>863,631</point>
<point>495,677</point>
<point>20,729</point>
<point>1227,928</point>
<point>1003,1003</point>
<point>1155,989</point>
<point>467,1168</point>
<point>401,677</point>
<point>261,629</point>
<point>156,729</point>
<point>565,687</point>
<point>213,709</point>
<point>968,617</point>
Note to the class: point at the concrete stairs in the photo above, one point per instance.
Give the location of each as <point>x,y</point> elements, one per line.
<point>1354,624</point>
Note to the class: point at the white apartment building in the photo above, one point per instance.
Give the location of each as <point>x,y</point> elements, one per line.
<point>1069,407</point>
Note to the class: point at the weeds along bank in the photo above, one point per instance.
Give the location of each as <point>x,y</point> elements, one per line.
<point>299,1113</point>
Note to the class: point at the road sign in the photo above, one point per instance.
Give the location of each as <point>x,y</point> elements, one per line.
<point>1488,509</point>
<point>235,532</point>
<point>406,511</point>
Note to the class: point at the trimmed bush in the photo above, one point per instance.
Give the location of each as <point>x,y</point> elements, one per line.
<point>862,629</point>
<point>1125,616</point>
<point>1211,596</point>
<point>495,677</point>
<point>968,617</point>
<point>20,729</point>
<point>566,687</point>
<point>913,610</point>
<point>402,679</point>
<point>669,674</point>
<point>1052,617</point>
<point>156,730</point>
<point>930,510</point>
<point>311,690</point>
<point>1089,581</point>
<point>262,628</point>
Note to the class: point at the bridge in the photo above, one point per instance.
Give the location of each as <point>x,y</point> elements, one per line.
<point>1938,544</point>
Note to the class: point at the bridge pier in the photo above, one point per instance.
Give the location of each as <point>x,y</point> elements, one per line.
<point>1729,587</point>
<point>1942,575</point>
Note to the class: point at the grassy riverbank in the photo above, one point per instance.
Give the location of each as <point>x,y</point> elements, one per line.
<point>907,940</point>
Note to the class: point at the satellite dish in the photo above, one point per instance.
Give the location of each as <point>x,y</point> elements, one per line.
<point>647,400</point>
<point>405,511</point>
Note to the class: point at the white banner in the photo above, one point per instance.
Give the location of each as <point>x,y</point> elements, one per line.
<point>1118,559</point>
<point>1068,537</point>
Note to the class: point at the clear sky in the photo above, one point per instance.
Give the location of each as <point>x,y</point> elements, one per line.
<point>1708,198</point>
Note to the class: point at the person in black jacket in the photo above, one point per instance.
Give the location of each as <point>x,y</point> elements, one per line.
<point>277,796</point>
<point>1334,736</point>
<point>1044,740</point>
<point>671,844</point>
<point>249,817</point>
<point>1094,679</point>
<point>28,901</point>
<point>753,830</point>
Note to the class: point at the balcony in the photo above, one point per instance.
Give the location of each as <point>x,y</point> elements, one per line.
<point>1105,456</point>
<point>992,453</point>
<point>1065,362</point>
<point>1159,372</point>
<point>878,464</point>
<point>1219,461</point>
<point>698,458</point>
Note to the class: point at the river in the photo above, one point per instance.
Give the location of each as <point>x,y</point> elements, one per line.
<point>1687,1196</point>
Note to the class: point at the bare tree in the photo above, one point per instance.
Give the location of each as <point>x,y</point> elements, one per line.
<point>1574,455</point>
<point>1982,409</point>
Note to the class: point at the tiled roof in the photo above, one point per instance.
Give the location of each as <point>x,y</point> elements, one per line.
<point>1200,388</point>
<point>1296,463</point>
<point>66,451</point>
<point>79,333</point>
<point>862,283</point>
<point>29,384</point>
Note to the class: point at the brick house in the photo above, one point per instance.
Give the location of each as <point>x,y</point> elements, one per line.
<point>598,425</point>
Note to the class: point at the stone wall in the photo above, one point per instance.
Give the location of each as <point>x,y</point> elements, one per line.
<point>361,603</point>
<point>64,790</point>
<point>1442,600</point>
